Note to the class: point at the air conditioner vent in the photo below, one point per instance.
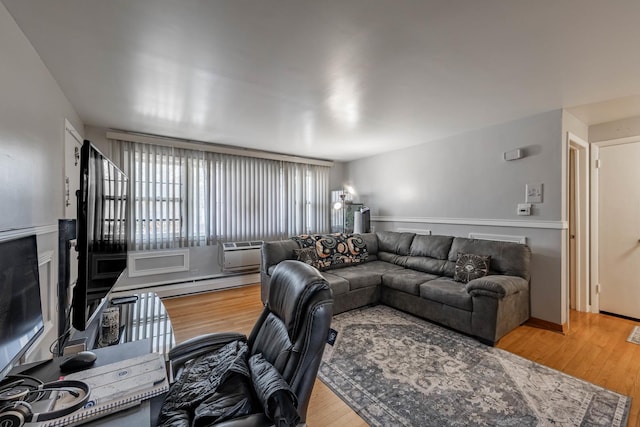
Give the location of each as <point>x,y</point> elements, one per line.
<point>241,256</point>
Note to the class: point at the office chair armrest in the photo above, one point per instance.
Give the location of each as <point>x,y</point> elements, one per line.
<point>194,347</point>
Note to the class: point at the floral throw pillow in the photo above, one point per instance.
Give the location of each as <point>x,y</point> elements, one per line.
<point>470,266</point>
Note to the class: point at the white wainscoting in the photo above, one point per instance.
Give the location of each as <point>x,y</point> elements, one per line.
<point>187,287</point>
<point>498,237</point>
<point>555,225</point>
<point>420,231</point>
<point>158,262</point>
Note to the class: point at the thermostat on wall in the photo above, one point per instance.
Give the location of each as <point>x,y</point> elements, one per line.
<point>524,208</point>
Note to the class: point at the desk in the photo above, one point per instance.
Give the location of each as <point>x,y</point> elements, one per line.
<point>142,415</point>
<point>145,319</point>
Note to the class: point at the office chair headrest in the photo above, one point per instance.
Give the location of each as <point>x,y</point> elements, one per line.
<point>296,286</point>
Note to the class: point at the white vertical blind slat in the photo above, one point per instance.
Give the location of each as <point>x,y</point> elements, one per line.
<point>184,197</point>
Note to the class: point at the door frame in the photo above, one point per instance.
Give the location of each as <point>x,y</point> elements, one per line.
<point>72,142</point>
<point>582,226</point>
<point>595,182</point>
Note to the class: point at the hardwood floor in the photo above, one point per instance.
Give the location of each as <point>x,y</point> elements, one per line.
<point>595,348</point>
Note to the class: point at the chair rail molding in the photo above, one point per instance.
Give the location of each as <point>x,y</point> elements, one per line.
<point>516,223</point>
<point>22,232</point>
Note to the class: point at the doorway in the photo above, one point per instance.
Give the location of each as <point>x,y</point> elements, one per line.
<point>578,201</point>
<point>617,250</point>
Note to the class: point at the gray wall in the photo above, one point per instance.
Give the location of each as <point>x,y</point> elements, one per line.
<point>32,117</point>
<point>465,177</point>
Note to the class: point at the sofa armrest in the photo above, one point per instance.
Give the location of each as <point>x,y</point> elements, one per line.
<point>497,286</point>
<point>200,345</point>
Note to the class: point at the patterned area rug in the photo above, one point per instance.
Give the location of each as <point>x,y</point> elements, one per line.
<point>395,369</point>
<point>634,336</point>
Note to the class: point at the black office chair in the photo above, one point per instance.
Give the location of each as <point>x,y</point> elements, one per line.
<point>290,334</point>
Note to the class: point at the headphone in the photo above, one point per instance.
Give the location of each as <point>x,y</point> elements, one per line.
<point>19,412</point>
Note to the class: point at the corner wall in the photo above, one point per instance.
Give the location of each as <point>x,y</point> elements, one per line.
<point>32,118</point>
<point>461,184</point>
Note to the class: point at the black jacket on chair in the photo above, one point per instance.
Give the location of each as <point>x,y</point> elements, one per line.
<point>216,380</point>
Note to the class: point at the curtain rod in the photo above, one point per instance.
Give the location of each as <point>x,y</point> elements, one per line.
<point>213,148</point>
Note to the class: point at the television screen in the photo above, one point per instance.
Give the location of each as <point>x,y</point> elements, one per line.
<point>101,232</point>
<point>21,320</point>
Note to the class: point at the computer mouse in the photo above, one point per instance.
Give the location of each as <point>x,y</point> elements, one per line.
<point>78,361</point>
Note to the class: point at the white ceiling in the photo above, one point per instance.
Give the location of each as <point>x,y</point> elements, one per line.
<point>334,79</point>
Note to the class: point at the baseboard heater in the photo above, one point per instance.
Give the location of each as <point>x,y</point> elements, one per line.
<point>241,256</point>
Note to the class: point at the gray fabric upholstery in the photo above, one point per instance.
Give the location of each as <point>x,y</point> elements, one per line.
<point>393,258</point>
<point>497,286</point>
<point>371,240</point>
<point>415,273</point>
<point>431,246</point>
<point>507,258</point>
<point>359,277</point>
<point>337,284</point>
<point>406,280</point>
<point>397,243</point>
<point>448,292</point>
<point>427,265</point>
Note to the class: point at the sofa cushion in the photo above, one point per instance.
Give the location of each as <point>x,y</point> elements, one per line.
<point>337,284</point>
<point>431,246</point>
<point>447,291</point>
<point>426,265</point>
<point>511,259</point>
<point>471,266</point>
<point>406,280</point>
<point>358,277</point>
<point>390,257</point>
<point>371,241</point>
<point>394,242</point>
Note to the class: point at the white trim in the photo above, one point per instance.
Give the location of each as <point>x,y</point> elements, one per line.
<point>618,141</point>
<point>420,231</point>
<point>45,258</point>
<point>498,237</point>
<point>134,256</point>
<point>189,287</point>
<point>214,148</point>
<point>555,225</point>
<point>23,232</point>
<point>582,231</point>
<point>72,131</point>
<point>595,236</point>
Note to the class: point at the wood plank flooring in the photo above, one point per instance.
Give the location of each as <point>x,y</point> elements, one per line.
<point>595,348</point>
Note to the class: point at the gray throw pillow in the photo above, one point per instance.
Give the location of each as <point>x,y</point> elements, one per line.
<point>471,266</point>
<point>308,256</point>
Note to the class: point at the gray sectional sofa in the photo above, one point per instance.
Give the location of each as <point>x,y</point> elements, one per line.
<point>414,273</point>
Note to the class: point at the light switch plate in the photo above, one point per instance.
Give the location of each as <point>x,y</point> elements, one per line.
<point>533,193</point>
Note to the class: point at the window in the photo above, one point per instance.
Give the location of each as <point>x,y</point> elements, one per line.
<point>188,197</point>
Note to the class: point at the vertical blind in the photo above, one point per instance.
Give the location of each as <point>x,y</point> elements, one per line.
<point>183,197</point>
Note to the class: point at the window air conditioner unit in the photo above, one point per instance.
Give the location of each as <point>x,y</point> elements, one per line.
<point>241,256</point>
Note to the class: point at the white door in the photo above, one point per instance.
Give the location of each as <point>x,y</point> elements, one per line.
<point>619,229</point>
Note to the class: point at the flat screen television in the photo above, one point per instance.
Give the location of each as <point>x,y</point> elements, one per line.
<point>21,321</point>
<point>101,233</point>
